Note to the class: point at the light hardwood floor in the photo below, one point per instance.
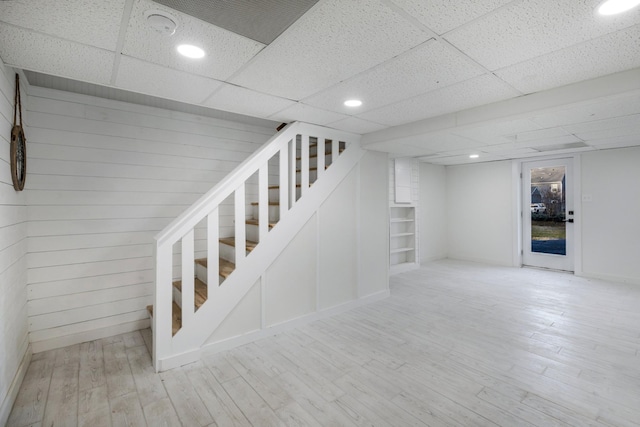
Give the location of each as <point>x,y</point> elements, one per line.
<point>456,344</point>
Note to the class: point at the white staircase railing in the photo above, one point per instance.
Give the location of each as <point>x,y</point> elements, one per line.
<point>285,148</point>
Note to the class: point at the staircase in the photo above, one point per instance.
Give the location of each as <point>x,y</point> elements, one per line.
<point>211,255</point>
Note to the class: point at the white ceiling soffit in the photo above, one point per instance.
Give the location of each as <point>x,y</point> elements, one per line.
<point>84,88</point>
<point>262,21</point>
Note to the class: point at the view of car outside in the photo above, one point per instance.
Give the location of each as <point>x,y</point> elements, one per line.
<point>548,227</point>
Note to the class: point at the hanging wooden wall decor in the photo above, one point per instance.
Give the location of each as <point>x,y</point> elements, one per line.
<point>18,144</point>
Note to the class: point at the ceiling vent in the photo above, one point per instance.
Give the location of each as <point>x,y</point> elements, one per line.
<point>569,146</point>
<point>261,21</point>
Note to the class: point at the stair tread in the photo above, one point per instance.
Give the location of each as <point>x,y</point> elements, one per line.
<point>270,203</point>
<point>231,241</point>
<point>225,267</point>
<point>176,317</point>
<point>200,295</point>
<point>255,222</point>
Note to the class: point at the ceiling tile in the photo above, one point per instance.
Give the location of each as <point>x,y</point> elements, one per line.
<point>619,142</point>
<point>539,134</point>
<point>93,22</point>
<point>307,113</point>
<point>526,29</point>
<point>490,132</point>
<point>471,93</point>
<point>442,16</point>
<point>584,61</point>
<point>34,51</point>
<point>332,42</point>
<point>428,67</point>
<point>464,159</point>
<point>356,125</point>
<point>143,77</point>
<point>225,51</point>
<point>604,109</point>
<point>245,101</point>
<point>595,135</point>
<point>599,125</point>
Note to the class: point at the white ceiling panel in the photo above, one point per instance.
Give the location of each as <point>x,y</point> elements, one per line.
<point>143,77</point>
<point>428,67</point>
<point>523,30</point>
<point>307,113</point>
<point>464,159</point>
<point>225,51</point>
<point>600,125</point>
<point>68,19</point>
<point>619,142</point>
<point>356,125</point>
<point>539,134</point>
<point>490,132</point>
<point>471,93</point>
<point>603,134</point>
<point>245,101</point>
<point>442,16</point>
<point>584,61</point>
<point>332,42</point>
<point>605,109</point>
<point>46,54</point>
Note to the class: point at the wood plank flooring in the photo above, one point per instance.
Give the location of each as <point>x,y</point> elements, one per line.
<point>456,344</point>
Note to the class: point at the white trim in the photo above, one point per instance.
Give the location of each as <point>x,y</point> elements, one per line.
<point>516,226</point>
<point>577,221</point>
<point>14,388</point>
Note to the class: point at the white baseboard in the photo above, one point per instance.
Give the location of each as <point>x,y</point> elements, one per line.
<point>10,398</point>
<point>91,335</point>
<point>227,344</point>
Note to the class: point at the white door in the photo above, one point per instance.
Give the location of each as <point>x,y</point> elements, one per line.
<point>548,214</point>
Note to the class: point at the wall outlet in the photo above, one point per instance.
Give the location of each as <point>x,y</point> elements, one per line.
<point>587,198</point>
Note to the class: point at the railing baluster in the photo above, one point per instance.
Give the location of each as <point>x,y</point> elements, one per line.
<point>320,157</point>
<point>284,180</point>
<point>304,164</point>
<point>241,227</point>
<point>162,304</point>
<point>293,167</point>
<point>188,278</point>
<point>263,201</point>
<point>335,150</point>
<point>213,252</point>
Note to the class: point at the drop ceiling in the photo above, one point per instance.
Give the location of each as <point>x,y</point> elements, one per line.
<point>439,80</point>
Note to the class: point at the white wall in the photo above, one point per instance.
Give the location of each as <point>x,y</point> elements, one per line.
<point>611,221</point>
<point>14,340</point>
<point>480,204</point>
<point>433,212</point>
<point>105,177</point>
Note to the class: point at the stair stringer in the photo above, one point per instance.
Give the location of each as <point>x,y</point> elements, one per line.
<point>186,345</point>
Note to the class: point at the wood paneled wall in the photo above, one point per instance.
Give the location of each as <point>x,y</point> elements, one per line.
<point>14,341</point>
<point>104,178</point>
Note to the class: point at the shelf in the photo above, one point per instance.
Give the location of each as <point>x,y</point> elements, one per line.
<point>402,234</point>
<point>400,250</point>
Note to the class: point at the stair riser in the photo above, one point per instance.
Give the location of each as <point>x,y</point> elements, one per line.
<point>201,274</point>
<point>274,213</point>
<point>274,195</point>
<point>228,252</point>
<point>253,233</point>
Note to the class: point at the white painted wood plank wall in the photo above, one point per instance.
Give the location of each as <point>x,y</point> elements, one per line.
<point>14,340</point>
<point>104,178</point>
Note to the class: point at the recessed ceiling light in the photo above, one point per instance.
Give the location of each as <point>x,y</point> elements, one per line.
<point>353,103</point>
<point>613,7</point>
<point>474,156</point>
<point>190,51</point>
